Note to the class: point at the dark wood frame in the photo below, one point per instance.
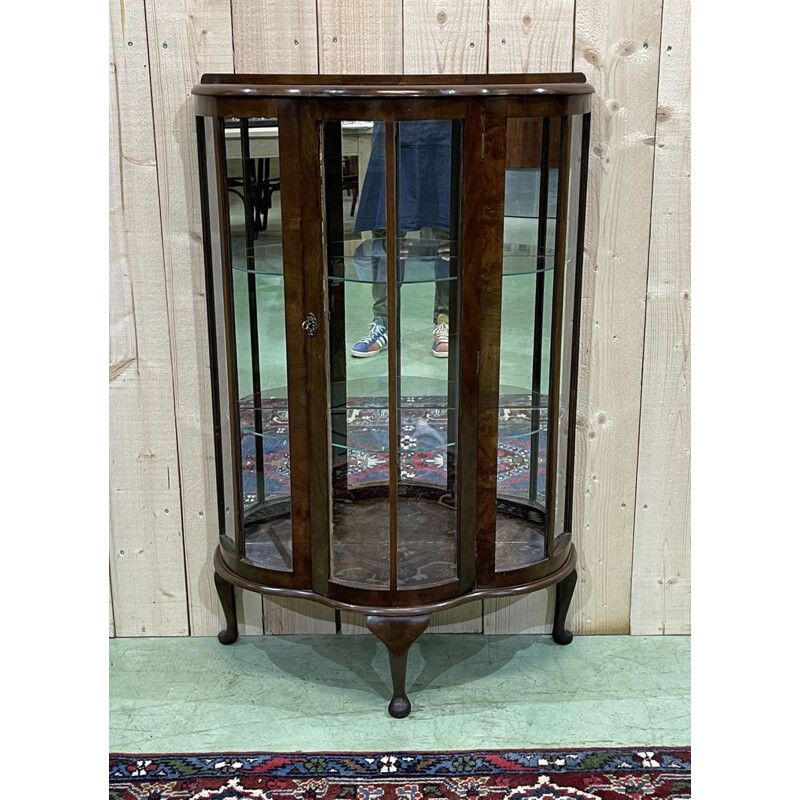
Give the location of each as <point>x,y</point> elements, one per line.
<point>302,104</point>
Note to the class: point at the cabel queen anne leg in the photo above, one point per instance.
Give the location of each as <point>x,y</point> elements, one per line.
<point>564,590</point>
<point>398,634</point>
<point>228,599</point>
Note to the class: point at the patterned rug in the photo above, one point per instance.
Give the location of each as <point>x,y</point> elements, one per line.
<point>423,444</point>
<point>585,774</point>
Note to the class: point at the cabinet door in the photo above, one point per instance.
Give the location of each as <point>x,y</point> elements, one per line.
<point>392,268</point>
<point>259,374</point>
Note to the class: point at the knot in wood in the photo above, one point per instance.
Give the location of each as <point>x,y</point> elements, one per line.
<point>627,48</point>
<point>592,56</point>
<point>441,18</point>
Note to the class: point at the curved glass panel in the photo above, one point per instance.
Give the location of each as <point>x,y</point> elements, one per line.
<point>217,289</point>
<point>253,188</point>
<point>529,242</point>
<point>564,485</point>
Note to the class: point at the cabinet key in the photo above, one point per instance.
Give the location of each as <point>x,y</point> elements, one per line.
<point>310,324</point>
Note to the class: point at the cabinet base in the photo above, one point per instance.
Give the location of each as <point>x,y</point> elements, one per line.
<point>399,628</point>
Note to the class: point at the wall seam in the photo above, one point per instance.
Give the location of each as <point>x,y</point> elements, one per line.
<point>644,331</point>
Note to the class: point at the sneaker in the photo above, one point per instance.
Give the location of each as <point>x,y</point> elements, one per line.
<point>372,344</point>
<point>441,338</point>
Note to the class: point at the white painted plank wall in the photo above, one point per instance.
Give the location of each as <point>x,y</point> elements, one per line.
<point>616,45</point>
<point>660,586</point>
<point>146,538</point>
<point>527,36</point>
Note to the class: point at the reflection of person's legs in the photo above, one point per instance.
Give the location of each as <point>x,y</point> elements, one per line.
<point>377,336</point>
<point>380,309</point>
<point>441,299</point>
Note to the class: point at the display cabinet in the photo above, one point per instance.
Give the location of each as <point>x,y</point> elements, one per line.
<point>393,272</point>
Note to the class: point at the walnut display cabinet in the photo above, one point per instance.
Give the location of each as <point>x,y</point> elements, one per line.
<point>393,272</point>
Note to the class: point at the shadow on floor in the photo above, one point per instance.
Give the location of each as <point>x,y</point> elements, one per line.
<point>361,662</point>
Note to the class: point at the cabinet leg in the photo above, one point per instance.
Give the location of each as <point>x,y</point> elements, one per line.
<point>564,590</point>
<point>398,634</point>
<point>227,597</point>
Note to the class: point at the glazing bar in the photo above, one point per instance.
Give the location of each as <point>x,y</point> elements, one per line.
<point>556,328</point>
<point>394,341</point>
<point>252,296</point>
<point>573,395</point>
<point>454,235</point>
<point>225,307</point>
<point>334,262</point>
<point>205,213</point>
<point>538,313</point>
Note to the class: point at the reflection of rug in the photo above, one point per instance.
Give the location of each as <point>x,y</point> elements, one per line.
<point>423,445</point>
<point>590,774</point>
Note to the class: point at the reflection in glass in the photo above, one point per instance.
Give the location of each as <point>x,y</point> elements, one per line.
<point>531,203</point>
<point>406,429</point>
<point>428,274</point>
<point>253,184</point>
<point>562,485</point>
<point>228,502</point>
<point>359,390</point>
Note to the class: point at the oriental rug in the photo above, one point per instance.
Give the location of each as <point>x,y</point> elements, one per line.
<point>423,446</point>
<point>575,773</point>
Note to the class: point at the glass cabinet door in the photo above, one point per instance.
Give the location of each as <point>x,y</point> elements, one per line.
<point>392,266</point>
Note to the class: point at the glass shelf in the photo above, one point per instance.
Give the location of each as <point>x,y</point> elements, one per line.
<point>527,434</point>
<point>268,259</point>
<point>407,445</point>
<point>419,391</point>
<point>526,259</point>
<point>419,261</point>
<point>367,430</point>
<point>425,261</point>
<point>516,399</point>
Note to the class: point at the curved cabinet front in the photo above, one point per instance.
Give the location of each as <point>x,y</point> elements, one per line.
<point>393,286</point>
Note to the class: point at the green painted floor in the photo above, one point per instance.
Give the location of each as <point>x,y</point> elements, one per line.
<point>329,693</point>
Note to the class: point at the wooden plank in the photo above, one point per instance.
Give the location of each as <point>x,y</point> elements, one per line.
<point>466,618</point>
<point>249,613</point>
<point>270,36</point>
<point>530,35</point>
<point>187,39</point>
<point>353,623</point>
<point>660,601</point>
<point>527,36</point>
<point>284,615</point>
<point>147,576</point>
<point>360,36</point>
<point>616,45</point>
<point>444,36</point>
<point>532,613</point>
<point>110,610</point>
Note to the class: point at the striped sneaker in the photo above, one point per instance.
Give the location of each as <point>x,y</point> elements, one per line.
<point>372,344</point>
<point>441,338</point>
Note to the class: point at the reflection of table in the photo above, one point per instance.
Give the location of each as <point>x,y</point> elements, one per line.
<point>356,139</point>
